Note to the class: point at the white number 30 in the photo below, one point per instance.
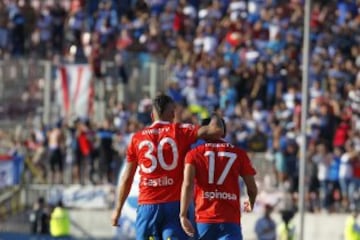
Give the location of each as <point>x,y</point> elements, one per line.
<point>149,154</point>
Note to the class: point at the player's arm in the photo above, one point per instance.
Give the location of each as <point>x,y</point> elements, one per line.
<point>124,189</point>
<point>247,172</point>
<point>126,180</point>
<point>214,130</point>
<point>187,190</point>
<point>251,188</point>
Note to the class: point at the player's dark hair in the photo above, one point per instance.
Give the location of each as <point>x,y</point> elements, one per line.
<point>160,103</point>
<point>206,121</point>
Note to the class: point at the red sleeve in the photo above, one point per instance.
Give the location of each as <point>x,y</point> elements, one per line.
<point>190,157</point>
<point>84,144</point>
<point>246,167</point>
<point>188,132</point>
<point>131,151</point>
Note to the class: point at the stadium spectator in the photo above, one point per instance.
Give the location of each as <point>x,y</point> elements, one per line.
<point>58,14</point>
<point>352,229</point>
<point>333,178</point>
<point>83,158</point>
<point>44,28</point>
<point>323,159</point>
<point>106,136</point>
<point>292,165</point>
<point>17,29</point>
<point>144,111</point>
<point>30,16</point>
<point>56,160</point>
<point>93,139</point>
<point>265,226</point>
<point>4,31</point>
<point>346,173</point>
<point>312,195</point>
<point>40,218</point>
<point>286,229</point>
<point>355,183</point>
<point>36,148</point>
<point>60,222</point>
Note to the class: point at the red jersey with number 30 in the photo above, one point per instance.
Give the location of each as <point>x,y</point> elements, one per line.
<point>159,151</point>
<point>218,166</point>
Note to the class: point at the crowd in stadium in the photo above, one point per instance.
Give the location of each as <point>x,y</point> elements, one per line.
<point>239,58</point>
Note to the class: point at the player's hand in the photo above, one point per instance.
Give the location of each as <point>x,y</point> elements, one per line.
<point>247,207</point>
<point>187,226</point>
<point>115,218</point>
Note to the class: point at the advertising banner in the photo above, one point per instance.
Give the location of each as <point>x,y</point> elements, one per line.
<point>11,168</point>
<point>83,197</point>
<point>74,90</point>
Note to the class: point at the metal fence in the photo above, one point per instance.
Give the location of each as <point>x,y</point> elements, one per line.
<point>28,90</point>
<point>146,76</point>
<point>11,202</point>
<point>21,90</point>
<point>34,191</point>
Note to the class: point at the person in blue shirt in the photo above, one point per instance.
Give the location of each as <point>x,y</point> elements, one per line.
<point>265,227</point>
<point>105,135</point>
<point>333,176</point>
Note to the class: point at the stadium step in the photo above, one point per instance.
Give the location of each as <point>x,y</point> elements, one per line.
<point>18,223</point>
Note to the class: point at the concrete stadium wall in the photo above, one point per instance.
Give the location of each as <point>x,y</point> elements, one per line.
<point>317,226</point>
<point>95,224</point>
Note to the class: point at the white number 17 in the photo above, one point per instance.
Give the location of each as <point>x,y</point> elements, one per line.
<point>230,162</point>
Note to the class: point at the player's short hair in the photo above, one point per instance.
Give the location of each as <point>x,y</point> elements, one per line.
<point>160,103</point>
<point>206,121</point>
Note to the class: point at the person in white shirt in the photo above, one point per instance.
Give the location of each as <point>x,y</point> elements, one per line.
<point>345,172</point>
<point>322,159</point>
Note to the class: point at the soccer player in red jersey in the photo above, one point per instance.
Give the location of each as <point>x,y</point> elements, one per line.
<point>159,151</point>
<point>214,169</point>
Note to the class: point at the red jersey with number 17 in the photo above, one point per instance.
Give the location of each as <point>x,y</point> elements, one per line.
<point>218,166</point>
<point>159,151</point>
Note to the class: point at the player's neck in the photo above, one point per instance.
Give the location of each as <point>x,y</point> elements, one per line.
<point>155,121</point>
<point>161,119</point>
